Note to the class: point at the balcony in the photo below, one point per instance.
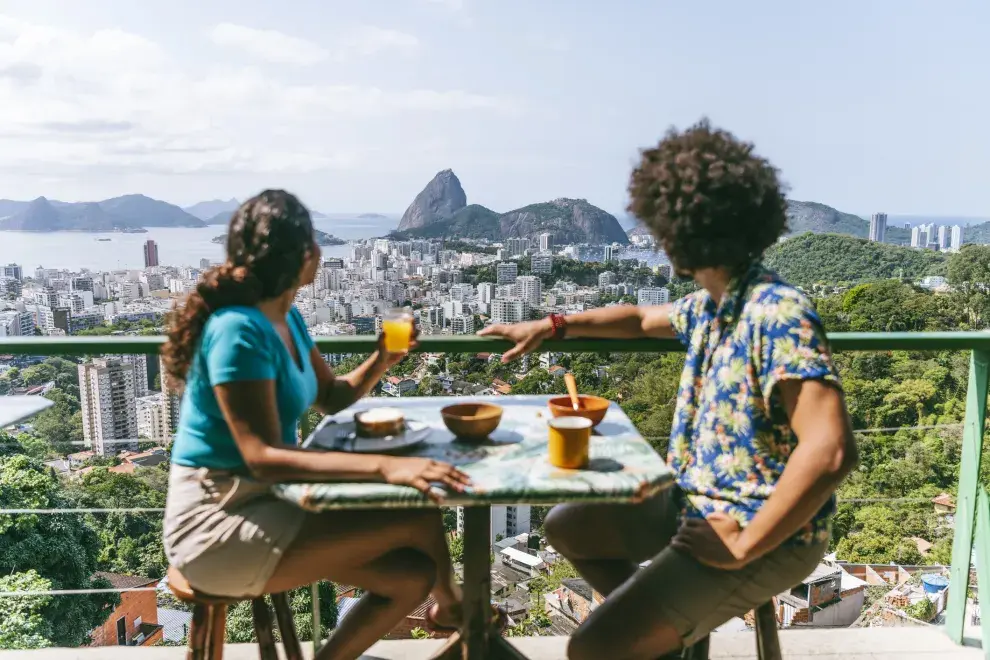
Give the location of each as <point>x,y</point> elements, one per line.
<point>910,639</point>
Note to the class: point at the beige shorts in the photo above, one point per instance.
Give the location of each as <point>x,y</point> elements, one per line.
<point>224,532</point>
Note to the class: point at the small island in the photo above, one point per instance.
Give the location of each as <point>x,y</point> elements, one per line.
<point>373,216</point>
<point>322,238</point>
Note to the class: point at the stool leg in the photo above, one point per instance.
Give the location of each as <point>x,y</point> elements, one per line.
<point>767,642</point>
<point>283,615</point>
<point>218,631</point>
<point>199,629</point>
<point>263,629</point>
<point>698,650</point>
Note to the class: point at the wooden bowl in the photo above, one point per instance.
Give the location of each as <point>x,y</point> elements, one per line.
<point>592,407</point>
<point>472,421</point>
<point>379,422</point>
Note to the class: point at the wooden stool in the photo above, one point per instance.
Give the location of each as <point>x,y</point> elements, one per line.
<point>209,619</point>
<point>767,643</point>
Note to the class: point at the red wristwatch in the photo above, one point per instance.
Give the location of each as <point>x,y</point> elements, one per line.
<point>559,325</point>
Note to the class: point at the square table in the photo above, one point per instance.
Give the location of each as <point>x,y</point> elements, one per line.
<point>511,467</point>
<point>15,409</point>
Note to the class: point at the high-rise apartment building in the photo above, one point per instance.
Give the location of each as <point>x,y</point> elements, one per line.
<point>530,289</point>
<point>878,227</point>
<point>516,246</point>
<point>653,296</point>
<point>140,364</point>
<point>506,272</point>
<point>509,311</point>
<point>462,324</point>
<point>151,418</point>
<point>150,254</point>
<point>13,271</point>
<point>541,264</point>
<point>955,238</point>
<point>606,278</point>
<point>109,410</point>
<point>546,243</point>
<point>170,404</point>
<point>486,292</point>
<point>609,254</point>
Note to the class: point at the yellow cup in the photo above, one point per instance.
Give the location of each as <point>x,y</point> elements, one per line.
<point>569,438</point>
<point>398,329</point>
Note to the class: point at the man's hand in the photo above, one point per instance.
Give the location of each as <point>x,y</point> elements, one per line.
<point>714,541</point>
<point>527,336</point>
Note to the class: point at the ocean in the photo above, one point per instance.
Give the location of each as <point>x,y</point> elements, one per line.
<point>182,246</point>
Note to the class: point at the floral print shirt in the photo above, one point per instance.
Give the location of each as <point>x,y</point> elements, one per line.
<point>731,435</point>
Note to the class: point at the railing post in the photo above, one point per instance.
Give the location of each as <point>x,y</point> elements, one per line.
<point>304,431</point>
<point>967,497</point>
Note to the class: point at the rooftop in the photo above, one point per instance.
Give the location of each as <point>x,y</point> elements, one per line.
<point>906,643</point>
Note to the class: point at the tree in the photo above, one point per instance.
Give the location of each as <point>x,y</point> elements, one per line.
<point>240,626</point>
<point>23,625</point>
<point>970,267</point>
<point>130,543</point>
<point>61,548</point>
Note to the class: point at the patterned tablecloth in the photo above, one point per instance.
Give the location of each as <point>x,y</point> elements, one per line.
<point>510,468</point>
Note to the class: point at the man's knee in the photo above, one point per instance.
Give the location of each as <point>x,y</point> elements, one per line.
<point>560,529</point>
<point>415,574</point>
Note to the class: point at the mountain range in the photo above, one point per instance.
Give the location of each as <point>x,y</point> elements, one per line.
<point>126,213</point>
<point>441,209</point>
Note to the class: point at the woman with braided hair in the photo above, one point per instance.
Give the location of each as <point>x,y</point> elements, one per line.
<point>248,368</point>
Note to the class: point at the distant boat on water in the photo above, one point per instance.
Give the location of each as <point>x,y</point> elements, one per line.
<point>104,239</point>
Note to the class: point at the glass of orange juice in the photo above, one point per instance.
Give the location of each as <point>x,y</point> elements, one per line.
<point>397,324</point>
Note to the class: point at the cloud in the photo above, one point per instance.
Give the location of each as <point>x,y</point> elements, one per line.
<point>368,40</point>
<point>85,103</point>
<point>453,5</point>
<point>268,45</point>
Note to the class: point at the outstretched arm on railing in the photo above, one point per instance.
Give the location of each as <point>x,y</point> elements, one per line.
<point>618,322</point>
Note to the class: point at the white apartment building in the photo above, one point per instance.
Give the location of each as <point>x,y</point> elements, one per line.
<point>609,254</point>
<point>653,296</point>
<point>16,324</point>
<point>878,227</point>
<point>956,238</point>
<point>461,292</point>
<point>530,289</point>
<point>506,272</point>
<point>109,411</point>
<point>486,292</point>
<point>509,311</point>
<point>542,264</point>
<point>506,521</point>
<point>943,237</point>
<point>605,279</point>
<point>462,324</point>
<point>546,243</point>
<point>151,419</point>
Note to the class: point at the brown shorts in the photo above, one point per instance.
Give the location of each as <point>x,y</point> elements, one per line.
<point>226,533</point>
<point>674,587</point>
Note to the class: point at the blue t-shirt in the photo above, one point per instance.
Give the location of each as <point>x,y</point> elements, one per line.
<point>238,344</point>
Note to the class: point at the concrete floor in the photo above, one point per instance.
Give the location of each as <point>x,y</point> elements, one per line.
<point>832,644</point>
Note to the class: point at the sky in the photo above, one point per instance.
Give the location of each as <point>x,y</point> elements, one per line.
<point>865,105</point>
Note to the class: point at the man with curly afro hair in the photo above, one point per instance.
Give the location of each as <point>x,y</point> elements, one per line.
<point>760,439</point>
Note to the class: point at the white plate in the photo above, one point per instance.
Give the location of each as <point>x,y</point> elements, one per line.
<point>341,436</point>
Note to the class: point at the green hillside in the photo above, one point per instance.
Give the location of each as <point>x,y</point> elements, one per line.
<point>810,258</point>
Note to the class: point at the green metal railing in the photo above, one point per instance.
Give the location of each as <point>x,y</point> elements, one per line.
<point>972,521</point>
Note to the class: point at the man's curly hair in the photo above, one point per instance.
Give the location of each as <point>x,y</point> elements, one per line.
<point>708,199</point>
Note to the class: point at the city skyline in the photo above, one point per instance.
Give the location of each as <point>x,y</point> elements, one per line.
<point>175,100</point>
